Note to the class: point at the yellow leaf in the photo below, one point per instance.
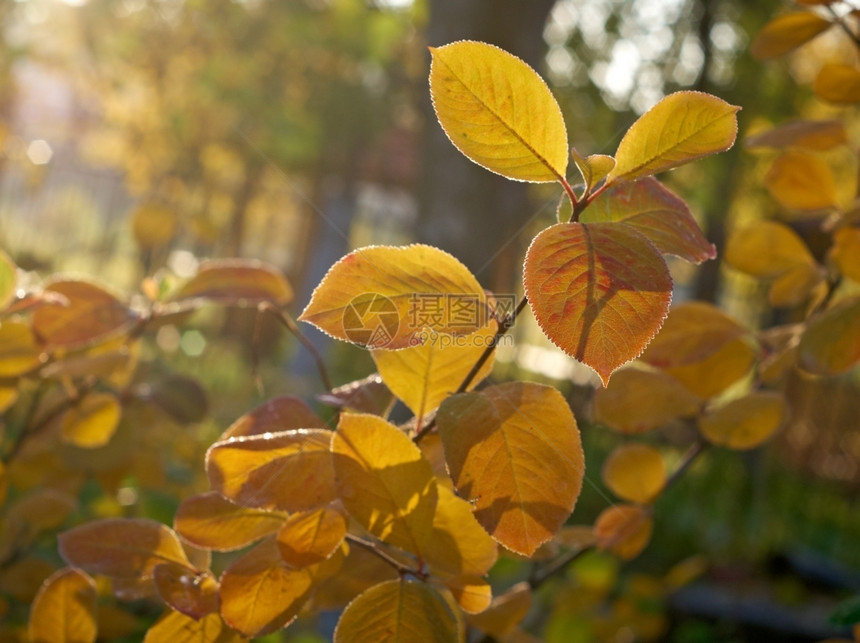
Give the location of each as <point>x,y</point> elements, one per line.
<point>309,537</point>
<point>514,451</point>
<point>801,181</point>
<point>19,352</point>
<point>22,579</point>
<point>211,521</point>
<point>236,281</point>
<point>278,414</point>
<point>766,249</point>
<point>682,127</point>
<point>746,422</point>
<point>635,472</point>
<point>153,225</point>
<point>845,252</point>
<point>838,84</point>
<point>637,401</point>
<point>384,296</point>
<point>423,376</point>
<point>624,530</point>
<point>8,279</point>
<point>64,610</point>
<point>716,372</point>
<point>399,610</point>
<point>498,112</point>
<point>384,481</point>
<point>593,168</point>
<point>195,595</point>
<point>787,32</point>
<point>287,471</point>
<point>175,627</point>
<point>92,422</point>
<point>795,286</point>
<point>472,593</point>
<point>505,612</point>
<point>8,397</point>
<point>813,135</point>
<point>830,345</point>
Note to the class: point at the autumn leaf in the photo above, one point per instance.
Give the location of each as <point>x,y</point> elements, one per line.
<point>281,413</point>
<point>838,84</point>
<point>92,421</point>
<point>593,169</point>
<point>661,216</point>
<point>845,253</point>
<point>506,611</point>
<point>121,547</point>
<point>745,422</point>
<point>8,279</point>
<point>624,530</point>
<point>399,610</point>
<point>498,112</point>
<point>830,345</point>
<point>286,471</point>
<point>211,521</point>
<point>153,225</point>
<point>383,480</point>
<point>195,595</point>
<point>376,297</point>
<point>178,628</point>
<point>635,472</point>
<point>472,593</point>
<point>367,395</point>
<point>787,32</point>
<point>682,127</point>
<point>238,282</point>
<point>19,352</point>
<point>514,451</point>
<point>309,537</point>
<point>801,181</point>
<point>599,291</point>
<point>717,371</point>
<point>64,610</point>
<point>812,135</point>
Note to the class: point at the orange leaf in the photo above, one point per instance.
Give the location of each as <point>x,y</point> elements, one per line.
<point>813,135</point>
<point>399,610</point>
<point>624,530</point>
<point>309,537</point>
<point>505,612</point>
<point>64,610</point>
<point>637,401</point>
<point>801,181</point>
<point>381,296</point>
<point>514,451</point>
<point>84,314</point>
<point>838,84</point>
<point>600,291</point>
<point>19,353</point>
<point>236,281</point>
<point>719,370</point>
<point>121,547</point>
<point>746,422</point>
<point>179,628</point>
<point>661,216</point>
<point>787,32</point>
<point>830,345</point>
<point>92,422</point>
<point>287,471</point>
<point>278,414</point>
<point>845,252</point>
<point>635,472</point>
<point>211,521</point>
<point>384,481</point>
<point>472,593</point>
<point>195,595</point>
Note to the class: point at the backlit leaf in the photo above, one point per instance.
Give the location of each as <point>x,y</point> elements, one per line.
<point>693,331</point>
<point>813,135</point>
<point>845,252</point>
<point>368,395</point>
<point>657,213</point>
<point>309,537</point>
<point>746,422</point>
<point>64,610</point>
<point>400,611</point>
<point>787,32</point>
<point>624,530</point>
<point>278,414</point>
<point>838,84</point>
<point>498,112</point>
<point>472,593</point>
<point>682,127</point>
<point>635,472</point>
<point>600,291</point>
<point>424,375</point>
<point>195,595</point>
<point>260,594</point>
<point>505,612</point>
<point>637,401</point>
<point>8,279</point>
<point>211,521</point>
<point>87,313</point>
<point>236,281</point>
<point>383,480</point>
<point>287,471</point>
<point>153,225</point>
<point>719,370</point>
<point>92,422</point>
<point>361,570</point>
<point>19,352</point>
<point>801,181</point>
<point>795,286</point>
<point>830,345</point>
<point>594,168</point>
<point>175,627</point>
<point>121,547</point>
<point>514,451</point>
<point>381,296</point>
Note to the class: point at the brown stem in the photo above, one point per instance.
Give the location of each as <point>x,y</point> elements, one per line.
<point>375,549</point>
<point>841,22</point>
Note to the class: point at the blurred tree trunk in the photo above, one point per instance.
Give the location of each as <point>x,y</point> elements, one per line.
<point>465,209</point>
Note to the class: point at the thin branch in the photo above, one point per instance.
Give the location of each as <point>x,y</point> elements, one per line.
<point>504,326</point>
<point>840,20</point>
<point>375,549</point>
<point>689,457</point>
<point>288,322</point>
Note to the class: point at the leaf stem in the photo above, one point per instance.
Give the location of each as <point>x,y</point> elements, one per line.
<point>839,20</point>
<point>569,191</point>
<point>290,325</point>
<point>396,564</point>
<point>504,326</point>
